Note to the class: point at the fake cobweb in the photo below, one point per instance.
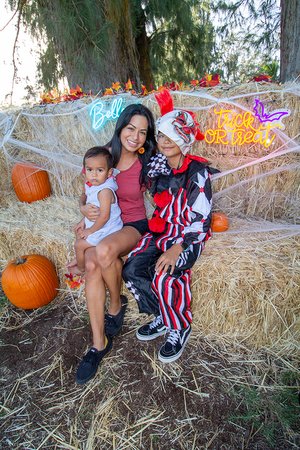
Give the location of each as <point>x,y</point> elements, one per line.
<point>258,183</point>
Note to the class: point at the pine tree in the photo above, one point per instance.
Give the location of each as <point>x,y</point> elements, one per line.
<point>96,42</point>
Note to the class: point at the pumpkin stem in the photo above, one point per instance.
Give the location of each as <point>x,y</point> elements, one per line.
<point>20,260</point>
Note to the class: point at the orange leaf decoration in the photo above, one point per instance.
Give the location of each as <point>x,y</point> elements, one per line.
<point>144,89</point>
<point>108,91</point>
<point>116,86</point>
<point>128,85</point>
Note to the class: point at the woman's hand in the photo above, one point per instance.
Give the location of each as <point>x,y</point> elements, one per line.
<point>90,211</point>
<point>168,259</point>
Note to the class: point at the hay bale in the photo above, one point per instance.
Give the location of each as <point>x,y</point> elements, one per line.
<point>43,227</point>
<point>245,285</point>
<point>56,137</point>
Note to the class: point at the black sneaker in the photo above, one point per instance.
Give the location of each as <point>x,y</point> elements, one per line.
<point>151,330</point>
<point>90,362</point>
<point>174,345</point>
<point>113,324</point>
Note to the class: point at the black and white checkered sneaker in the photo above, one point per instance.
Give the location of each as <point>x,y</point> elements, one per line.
<point>174,345</point>
<point>151,330</point>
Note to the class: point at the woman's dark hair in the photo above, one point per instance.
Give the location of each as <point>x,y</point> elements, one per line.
<point>99,151</point>
<point>136,109</point>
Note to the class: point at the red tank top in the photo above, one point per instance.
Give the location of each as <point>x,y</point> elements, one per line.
<point>130,194</point>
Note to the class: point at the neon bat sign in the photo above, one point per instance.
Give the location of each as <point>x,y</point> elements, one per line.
<point>273,116</point>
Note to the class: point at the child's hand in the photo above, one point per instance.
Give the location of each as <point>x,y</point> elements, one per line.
<point>83,234</point>
<point>79,227</point>
<point>90,211</point>
<point>168,259</point>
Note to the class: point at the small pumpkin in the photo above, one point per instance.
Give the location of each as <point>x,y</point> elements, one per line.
<point>219,222</point>
<point>30,281</point>
<point>31,183</point>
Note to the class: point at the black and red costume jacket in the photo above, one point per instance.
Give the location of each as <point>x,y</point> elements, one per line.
<point>183,202</point>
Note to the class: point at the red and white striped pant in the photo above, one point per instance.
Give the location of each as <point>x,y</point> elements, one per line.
<point>160,293</point>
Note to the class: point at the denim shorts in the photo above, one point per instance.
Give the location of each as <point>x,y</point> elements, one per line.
<point>140,225</point>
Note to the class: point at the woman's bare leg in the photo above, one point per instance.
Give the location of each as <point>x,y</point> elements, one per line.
<point>95,297</point>
<point>108,252</point>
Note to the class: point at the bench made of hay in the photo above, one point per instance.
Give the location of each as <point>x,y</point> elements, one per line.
<point>245,285</point>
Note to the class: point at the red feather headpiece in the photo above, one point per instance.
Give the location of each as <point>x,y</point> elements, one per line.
<point>165,101</point>
<point>166,105</point>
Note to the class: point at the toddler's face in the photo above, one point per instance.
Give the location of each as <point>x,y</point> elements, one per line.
<point>96,170</point>
<point>167,147</point>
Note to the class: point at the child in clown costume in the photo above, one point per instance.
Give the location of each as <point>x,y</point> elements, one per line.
<point>158,270</point>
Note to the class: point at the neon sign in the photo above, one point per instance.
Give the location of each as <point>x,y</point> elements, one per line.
<point>100,113</point>
<point>238,129</point>
<point>274,116</point>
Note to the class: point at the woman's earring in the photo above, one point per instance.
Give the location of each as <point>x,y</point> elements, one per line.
<point>141,150</point>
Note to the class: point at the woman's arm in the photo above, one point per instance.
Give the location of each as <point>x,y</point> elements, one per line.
<point>105,197</point>
<point>89,211</point>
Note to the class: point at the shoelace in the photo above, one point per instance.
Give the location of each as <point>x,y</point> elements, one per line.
<point>173,337</point>
<point>156,321</point>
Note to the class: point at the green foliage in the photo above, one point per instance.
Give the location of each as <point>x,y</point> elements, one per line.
<point>248,37</point>
<point>182,41</point>
<point>3,300</point>
<point>271,69</point>
<point>74,34</point>
<point>259,22</point>
<point>93,43</point>
<point>267,411</point>
<point>103,41</point>
<point>48,67</point>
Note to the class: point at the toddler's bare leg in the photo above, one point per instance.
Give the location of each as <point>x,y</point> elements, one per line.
<point>81,245</point>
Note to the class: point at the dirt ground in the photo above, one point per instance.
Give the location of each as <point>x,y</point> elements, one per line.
<point>215,397</point>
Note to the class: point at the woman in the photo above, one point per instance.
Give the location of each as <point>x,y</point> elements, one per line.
<point>132,146</point>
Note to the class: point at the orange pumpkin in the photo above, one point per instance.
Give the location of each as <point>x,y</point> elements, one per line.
<point>219,222</point>
<point>30,281</point>
<point>30,182</point>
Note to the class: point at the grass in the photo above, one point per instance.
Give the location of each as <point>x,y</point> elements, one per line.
<point>3,301</point>
<point>268,410</point>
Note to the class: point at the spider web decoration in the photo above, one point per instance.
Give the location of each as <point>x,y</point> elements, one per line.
<point>255,182</point>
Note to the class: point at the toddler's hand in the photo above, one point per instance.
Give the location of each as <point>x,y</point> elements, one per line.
<point>168,259</point>
<point>79,227</point>
<point>84,233</point>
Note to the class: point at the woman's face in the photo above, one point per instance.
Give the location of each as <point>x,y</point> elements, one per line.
<point>133,135</point>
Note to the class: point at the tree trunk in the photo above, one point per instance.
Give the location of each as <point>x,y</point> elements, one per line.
<point>142,44</point>
<point>94,48</point>
<point>124,62</point>
<point>289,40</point>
